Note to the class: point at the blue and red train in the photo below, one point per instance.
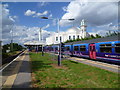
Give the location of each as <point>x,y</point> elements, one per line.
<point>105,49</point>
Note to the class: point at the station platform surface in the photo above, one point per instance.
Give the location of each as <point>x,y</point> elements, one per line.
<point>18,73</point>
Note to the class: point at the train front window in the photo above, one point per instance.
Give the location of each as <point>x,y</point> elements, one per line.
<point>67,48</point>
<point>82,48</point>
<point>117,48</point>
<point>76,48</point>
<point>106,48</point>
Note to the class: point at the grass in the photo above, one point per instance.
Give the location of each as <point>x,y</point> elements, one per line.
<point>46,74</point>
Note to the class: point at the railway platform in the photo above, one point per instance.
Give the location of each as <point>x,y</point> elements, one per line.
<point>95,63</point>
<point>102,65</point>
<point>18,73</point>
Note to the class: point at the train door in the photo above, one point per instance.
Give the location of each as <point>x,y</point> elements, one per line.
<point>92,51</point>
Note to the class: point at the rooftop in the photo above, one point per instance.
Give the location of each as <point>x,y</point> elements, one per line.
<point>35,43</point>
<point>111,38</point>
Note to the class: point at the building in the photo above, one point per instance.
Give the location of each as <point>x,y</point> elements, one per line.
<point>70,34</point>
<point>34,45</point>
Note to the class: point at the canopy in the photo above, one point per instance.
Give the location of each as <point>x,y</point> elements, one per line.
<point>34,43</point>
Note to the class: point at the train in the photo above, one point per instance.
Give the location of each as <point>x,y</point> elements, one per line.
<point>104,49</point>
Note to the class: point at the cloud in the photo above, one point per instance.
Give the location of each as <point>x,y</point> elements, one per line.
<point>7,19</point>
<point>22,34</point>
<point>41,4</point>
<point>40,14</point>
<point>45,13</point>
<point>45,27</point>
<point>95,13</point>
<point>34,13</point>
<point>103,29</point>
<point>64,8</point>
<point>50,16</point>
<point>8,22</point>
<point>54,22</point>
<point>29,13</point>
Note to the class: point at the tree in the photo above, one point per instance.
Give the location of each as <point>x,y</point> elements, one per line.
<point>108,34</point>
<point>16,47</point>
<point>92,36</point>
<point>97,36</point>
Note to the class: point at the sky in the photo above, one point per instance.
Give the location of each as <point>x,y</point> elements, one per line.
<point>23,18</point>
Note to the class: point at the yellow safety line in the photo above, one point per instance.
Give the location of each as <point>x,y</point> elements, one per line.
<point>10,80</point>
<point>97,63</point>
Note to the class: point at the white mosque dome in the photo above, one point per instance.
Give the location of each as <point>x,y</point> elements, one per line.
<point>73,30</point>
<point>69,34</point>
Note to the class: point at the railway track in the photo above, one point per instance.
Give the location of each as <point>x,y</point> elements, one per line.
<point>10,60</point>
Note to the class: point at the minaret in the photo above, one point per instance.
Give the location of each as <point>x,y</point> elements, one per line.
<point>83,28</point>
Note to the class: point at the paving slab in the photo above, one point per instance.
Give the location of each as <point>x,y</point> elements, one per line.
<point>23,79</point>
<point>18,73</point>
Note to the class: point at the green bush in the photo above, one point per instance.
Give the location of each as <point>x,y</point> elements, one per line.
<point>5,55</point>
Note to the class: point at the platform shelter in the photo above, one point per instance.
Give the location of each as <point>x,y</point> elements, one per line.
<point>35,46</point>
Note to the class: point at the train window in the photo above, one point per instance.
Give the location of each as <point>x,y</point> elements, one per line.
<point>117,48</point>
<point>90,48</point>
<point>106,48</point>
<point>105,45</point>
<point>56,48</point>
<point>76,48</point>
<point>83,48</point>
<point>102,45</point>
<point>93,48</point>
<point>51,48</point>
<point>67,48</point>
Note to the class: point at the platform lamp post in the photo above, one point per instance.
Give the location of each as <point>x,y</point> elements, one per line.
<point>11,45</point>
<point>58,20</point>
<point>42,41</point>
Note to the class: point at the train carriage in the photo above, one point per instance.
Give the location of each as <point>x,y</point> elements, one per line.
<point>109,51</point>
<point>55,48</point>
<point>80,50</point>
<point>106,49</point>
